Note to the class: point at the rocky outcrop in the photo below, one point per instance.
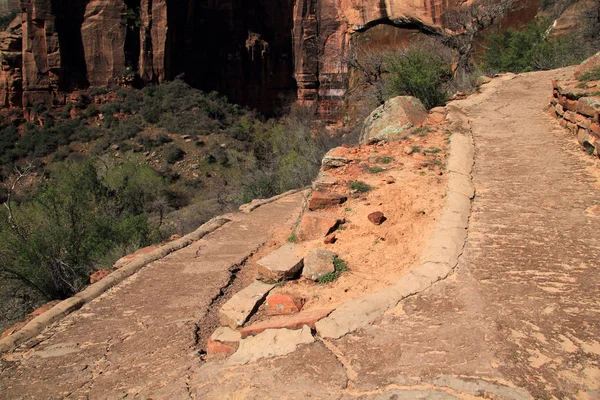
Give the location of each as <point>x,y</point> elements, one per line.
<point>393,119</point>
<point>577,104</point>
<point>261,53</point>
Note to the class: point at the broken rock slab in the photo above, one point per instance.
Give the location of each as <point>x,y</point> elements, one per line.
<point>243,304</point>
<point>270,343</point>
<point>318,263</point>
<point>283,304</point>
<point>324,181</point>
<point>319,200</point>
<point>331,160</point>
<point>317,225</point>
<point>282,264</point>
<point>292,322</point>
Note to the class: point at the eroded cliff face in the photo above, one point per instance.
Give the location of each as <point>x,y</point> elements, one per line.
<point>261,53</point>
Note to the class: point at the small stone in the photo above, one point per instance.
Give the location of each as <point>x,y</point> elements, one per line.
<point>408,150</point>
<point>283,304</point>
<point>217,349</point>
<point>330,239</point>
<point>377,217</point>
<point>389,180</point>
<point>225,334</point>
<point>99,275</point>
<point>318,263</point>
<point>175,236</point>
<point>320,200</point>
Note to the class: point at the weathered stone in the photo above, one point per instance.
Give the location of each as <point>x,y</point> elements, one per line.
<point>376,217</point>
<point>236,311</point>
<point>270,343</point>
<point>282,264</point>
<point>588,106</point>
<point>330,160</point>
<point>99,275</point>
<point>291,322</point>
<point>225,334</point>
<point>316,225</point>
<point>324,181</point>
<point>318,263</point>
<point>588,65</point>
<point>582,121</point>
<point>559,110</point>
<point>392,119</point>
<point>408,150</point>
<point>218,349</point>
<point>330,239</point>
<point>389,180</point>
<point>283,304</point>
<point>130,257</point>
<point>320,200</point>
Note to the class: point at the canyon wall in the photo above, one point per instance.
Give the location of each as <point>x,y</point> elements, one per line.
<point>260,53</point>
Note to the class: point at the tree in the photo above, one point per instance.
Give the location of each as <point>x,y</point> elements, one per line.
<point>466,22</point>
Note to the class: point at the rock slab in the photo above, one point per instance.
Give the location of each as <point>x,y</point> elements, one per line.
<point>390,120</point>
<point>240,307</point>
<point>318,263</point>
<point>282,264</point>
<point>291,322</point>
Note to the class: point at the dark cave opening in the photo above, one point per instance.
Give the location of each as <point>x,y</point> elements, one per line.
<point>243,51</point>
<point>132,36</point>
<point>69,18</point>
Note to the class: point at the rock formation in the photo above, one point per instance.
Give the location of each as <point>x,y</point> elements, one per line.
<point>261,54</point>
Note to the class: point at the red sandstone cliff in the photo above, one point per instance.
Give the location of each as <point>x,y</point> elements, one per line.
<point>255,52</point>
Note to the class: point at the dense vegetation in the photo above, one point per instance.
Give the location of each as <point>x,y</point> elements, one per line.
<point>117,169</point>
<point>533,48</point>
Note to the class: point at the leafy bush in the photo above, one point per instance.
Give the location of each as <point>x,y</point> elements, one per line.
<point>420,74</point>
<point>172,153</point>
<point>532,49</point>
<point>593,75</point>
<point>360,186</point>
<point>52,241</point>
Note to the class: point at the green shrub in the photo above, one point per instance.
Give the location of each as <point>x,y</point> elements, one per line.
<point>360,186</point>
<point>420,74</point>
<point>532,49</point>
<point>593,75</point>
<point>73,220</point>
<point>376,169</point>
<point>172,153</point>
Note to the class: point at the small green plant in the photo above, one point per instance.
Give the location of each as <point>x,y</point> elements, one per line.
<point>439,164</point>
<point>348,209</point>
<point>293,238</point>
<point>416,149</point>
<point>581,85</point>
<point>340,265</point>
<point>433,150</point>
<point>327,278</point>
<point>421,131</point>
<point>360,186</point>
<point>341,228</point>
<point>593,75</point>
<point>376,169</point>
<point>386,160</point>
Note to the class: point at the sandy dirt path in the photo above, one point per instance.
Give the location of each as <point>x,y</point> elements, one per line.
<point>141,338</point>
<point>519,319</point>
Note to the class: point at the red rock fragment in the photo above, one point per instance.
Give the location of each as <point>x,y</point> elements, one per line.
<point>99,275</point>
<point>214,348</point>
<point>320,200</point>
<point>283,304</point>
<point>376,217</point>
<point>309,318</point>
<point>330,239</point>
<point>389,180</point>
